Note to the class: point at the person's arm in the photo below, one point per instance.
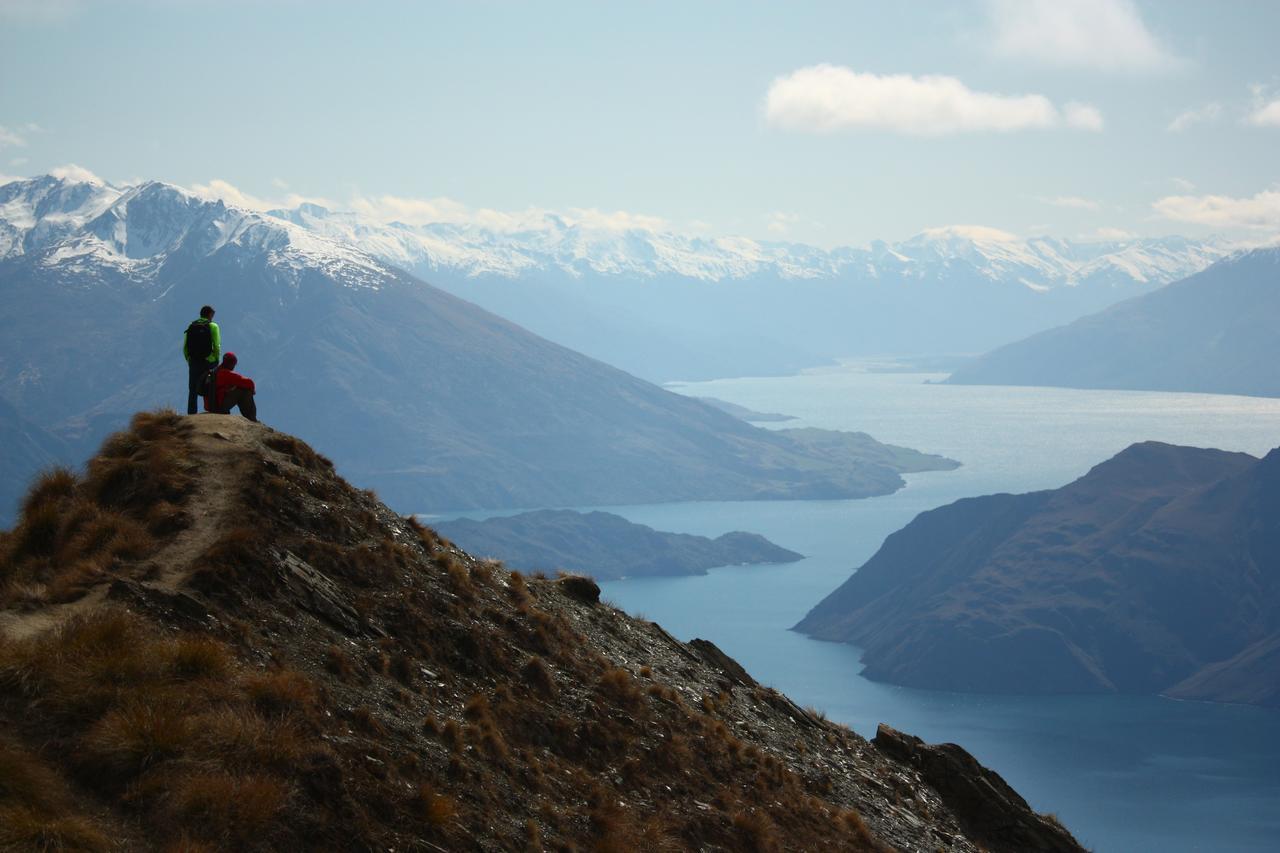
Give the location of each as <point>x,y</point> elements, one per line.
<point>184,346</point>
<point>216,335</point>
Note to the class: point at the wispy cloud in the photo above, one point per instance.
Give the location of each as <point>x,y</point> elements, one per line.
<point>1201,115</point>
<point>826,98</point>
<point>1258,212</point>
<point>1266,108</point>
<point>1183,184</point>
<point>1072,201</point>
<point>1110,234</point>
<point>230,193</point>
<point>780,222</point>
<point>11,137</point>
<point>72,172</point>
<point>1103,35</point>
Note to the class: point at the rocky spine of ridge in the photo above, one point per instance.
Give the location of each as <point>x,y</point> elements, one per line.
<point>208,640</point>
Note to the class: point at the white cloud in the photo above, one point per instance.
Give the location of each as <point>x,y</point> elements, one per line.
<point>1261,211</point>
<point>1201,115</point>
<point>1082,116</point>
<point>11,137</point>
<point>1266,115</point>
<point>825,98</point>
<point>19,161</point>
<point>218,189</point>
<point>72,172</point>
<point>1072,201</point>
<point>978,233</point>
<point>1104,35</point>
<point>1111,234</point>
<point>1183,184</point>
<point>781,222</point>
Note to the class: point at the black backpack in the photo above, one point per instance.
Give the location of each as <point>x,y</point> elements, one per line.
<point>199,341</point>
<point>209,383</point>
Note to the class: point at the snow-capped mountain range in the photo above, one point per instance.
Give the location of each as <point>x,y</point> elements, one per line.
<point>660,305</point>
<point>86,227</point>
<point>565,246</point>
<point>137,226</point>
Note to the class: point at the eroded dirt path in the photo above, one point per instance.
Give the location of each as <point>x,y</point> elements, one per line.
<point>217,446</point>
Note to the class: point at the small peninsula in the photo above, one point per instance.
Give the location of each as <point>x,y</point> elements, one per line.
<point>606,546</point>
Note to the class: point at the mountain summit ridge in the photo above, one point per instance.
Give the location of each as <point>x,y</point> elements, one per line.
<point>250,653</point>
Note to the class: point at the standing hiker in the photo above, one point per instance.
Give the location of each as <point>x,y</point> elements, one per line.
<point>201,347</point>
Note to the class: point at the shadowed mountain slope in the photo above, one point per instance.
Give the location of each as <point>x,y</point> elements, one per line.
<point>210,641</point>
<point>1213,332</point>
<point>1157,572</point>
<point>437,403</point>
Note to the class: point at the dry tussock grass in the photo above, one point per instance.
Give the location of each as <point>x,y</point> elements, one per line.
<point>173,726</point>
<point>72,530</point>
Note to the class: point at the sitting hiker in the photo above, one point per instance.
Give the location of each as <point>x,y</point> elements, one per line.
<point>230,389</point>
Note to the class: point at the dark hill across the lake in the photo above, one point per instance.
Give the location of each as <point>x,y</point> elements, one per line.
<point>1214,332</point>
<point>1157,572</point>
<point>606,546</point>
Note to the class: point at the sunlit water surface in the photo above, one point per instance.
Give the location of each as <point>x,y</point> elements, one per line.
<point>1124,773</point>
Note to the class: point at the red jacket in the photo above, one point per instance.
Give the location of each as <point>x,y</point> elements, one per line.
<point>224,380</point>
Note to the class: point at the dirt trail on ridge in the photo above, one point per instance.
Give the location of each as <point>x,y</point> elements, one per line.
<point>218,443</point>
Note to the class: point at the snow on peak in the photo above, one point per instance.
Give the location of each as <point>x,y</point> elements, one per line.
<point>81,225</point>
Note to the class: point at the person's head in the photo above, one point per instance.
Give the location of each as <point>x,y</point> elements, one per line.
<point>229,361</point>
<point>207,312</point>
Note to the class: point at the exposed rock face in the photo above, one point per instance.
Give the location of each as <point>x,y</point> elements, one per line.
<point>991,811</point>
<point>1213,332</point>
<point>279,661</point>
<point>605,545</point>
<point>1158,571</point>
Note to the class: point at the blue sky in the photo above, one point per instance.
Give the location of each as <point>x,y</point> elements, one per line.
<point>830,123</point>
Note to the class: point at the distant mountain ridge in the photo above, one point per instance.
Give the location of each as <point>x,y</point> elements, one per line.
<point>560,245</point>
<point>671,306</point>
<point>1213,332</point>
<point>1156,572</point>
<point>434,401</point>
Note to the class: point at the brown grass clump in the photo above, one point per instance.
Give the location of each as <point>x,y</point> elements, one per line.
<point>299,453</point>
<point>36,809</point>
<point>172,726</point>
<point>71,531</point>
<point>438,809</point>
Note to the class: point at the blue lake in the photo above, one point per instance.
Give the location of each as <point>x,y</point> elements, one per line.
<point>1123,773</point>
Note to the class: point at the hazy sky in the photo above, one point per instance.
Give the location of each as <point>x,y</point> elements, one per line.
<point>831,123</point>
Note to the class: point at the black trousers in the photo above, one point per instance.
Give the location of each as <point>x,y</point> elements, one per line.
<point>243,398</point>
<point>195,372</point>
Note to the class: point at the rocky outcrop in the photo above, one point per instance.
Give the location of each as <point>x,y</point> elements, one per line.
<point>992,812</point>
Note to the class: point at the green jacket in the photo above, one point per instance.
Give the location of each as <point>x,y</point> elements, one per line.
<point>216,335</point>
